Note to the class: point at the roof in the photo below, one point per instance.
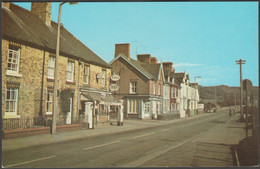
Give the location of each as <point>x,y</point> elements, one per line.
<point>150,71</point>
<point>97,96</point>
<point>22,26</point>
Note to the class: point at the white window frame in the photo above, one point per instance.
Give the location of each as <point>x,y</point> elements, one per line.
<point>86,74</point>
<point>132,106</point>
<point>70,71</point>
<point>49,102</point>
<point>9,100</point>
<point>51,67</point>
<point>103,79</point>
<point>10,60</point>
<point>133,87</point>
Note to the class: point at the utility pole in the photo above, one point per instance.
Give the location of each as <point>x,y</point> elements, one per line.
<point>235,100</point>
<point>240,62</point>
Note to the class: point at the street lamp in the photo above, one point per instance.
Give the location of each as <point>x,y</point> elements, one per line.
<point>195,107</point>
<point>55,93</point>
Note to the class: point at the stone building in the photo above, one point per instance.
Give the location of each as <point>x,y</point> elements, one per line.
<point>28,65</point>
<point>141,83</point>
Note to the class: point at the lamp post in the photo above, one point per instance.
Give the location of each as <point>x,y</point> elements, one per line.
<point>55,93</point>
<point>241,62</point>
<point>195,105</point>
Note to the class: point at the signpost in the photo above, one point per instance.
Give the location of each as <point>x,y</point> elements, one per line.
<point>114,87</point>
<point>115,77</point>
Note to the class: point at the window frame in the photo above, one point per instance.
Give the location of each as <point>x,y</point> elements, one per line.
<point>70,72</point>
<point>132,106</point>
<point>13,50</point>
<point>52,67</point>
<point>103,80</point>
<point>49,102</point>
<point>11,100</point>
<point>86,75</point>
<point>134,87</point>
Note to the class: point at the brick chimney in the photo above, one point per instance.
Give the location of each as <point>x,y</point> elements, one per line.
<point>42,10</point>
<point>122,48</point>
<point>153,60</point>
<point>168,65</point>
<point>145,58</point>
<point>6,4</point>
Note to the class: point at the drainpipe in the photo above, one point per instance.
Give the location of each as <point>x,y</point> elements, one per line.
<point>42,85</point>
<point>78,91</point>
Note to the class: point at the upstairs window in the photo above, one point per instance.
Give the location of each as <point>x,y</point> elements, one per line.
<point>103,79</point>
<point>13,59</point>
<point>153,87</point>
<point>159,89</point>
<point>133,87</point>
<point>86,74</point>
<point>70,71</point>
<point>51,67</point>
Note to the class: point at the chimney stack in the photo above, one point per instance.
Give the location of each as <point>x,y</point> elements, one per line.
<point>153,60</point>
<point>168,66</point>
<point>6,4</point>
<point>42,10</point>
<point>123,48</point>
<point>145,58</point>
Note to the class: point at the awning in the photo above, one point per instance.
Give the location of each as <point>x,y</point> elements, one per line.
<point>97,97</point>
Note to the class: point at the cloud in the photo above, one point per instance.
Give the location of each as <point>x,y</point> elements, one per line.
<point>187,65</point>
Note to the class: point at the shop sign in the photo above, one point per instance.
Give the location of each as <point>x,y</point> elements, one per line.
<point>114,87</point>
<point>100,76</point>
<point>115,77</point>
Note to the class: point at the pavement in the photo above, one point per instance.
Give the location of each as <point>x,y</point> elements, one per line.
<point>214,147</point>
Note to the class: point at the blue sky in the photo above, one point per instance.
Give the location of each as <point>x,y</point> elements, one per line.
<point>202,38</point>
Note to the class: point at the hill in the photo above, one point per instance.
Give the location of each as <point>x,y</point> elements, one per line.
<point>225,95</point>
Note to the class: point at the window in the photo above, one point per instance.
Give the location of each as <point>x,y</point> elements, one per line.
<point>103,79</point>
<point>13,59</point>
<point>86,74</point>
<point>70,71</point>
<point>159,89</point>
<point>132,106</point>
<point>51,67</point>
<point>146,106</point>
<point>172,106</point>
<point>153,87</point>
<point>133,87</point>
<point>177,92</point>
<point>49,102</point>
<point>11,100</point>
<point>158,107</point>
<point>173,92</point>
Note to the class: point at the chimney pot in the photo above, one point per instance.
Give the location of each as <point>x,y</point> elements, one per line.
<point>6,4</point>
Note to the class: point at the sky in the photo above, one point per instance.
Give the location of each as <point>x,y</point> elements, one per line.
<point>200,38</point>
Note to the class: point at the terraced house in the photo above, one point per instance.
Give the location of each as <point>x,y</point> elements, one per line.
<point>140,85</point>
<point>28,65</point>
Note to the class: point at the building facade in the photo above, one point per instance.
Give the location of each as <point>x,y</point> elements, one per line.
<point>140,85</point>
<point>28,66</point>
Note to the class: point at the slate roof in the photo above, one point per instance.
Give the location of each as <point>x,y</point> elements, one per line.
<point>22,26</point>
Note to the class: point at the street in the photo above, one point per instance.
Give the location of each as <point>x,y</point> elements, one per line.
<point>166,145</point>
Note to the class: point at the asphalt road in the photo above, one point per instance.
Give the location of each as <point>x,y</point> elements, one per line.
<point>130,149</point>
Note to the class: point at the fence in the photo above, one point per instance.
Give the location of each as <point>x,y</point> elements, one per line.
<point>33,122</point>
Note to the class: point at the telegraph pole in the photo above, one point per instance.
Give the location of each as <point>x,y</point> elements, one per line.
<point>240,62</point>
<point>216,97</point>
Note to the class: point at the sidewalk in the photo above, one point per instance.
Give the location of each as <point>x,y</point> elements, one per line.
<point>128,125</point>
<point>214,147</point>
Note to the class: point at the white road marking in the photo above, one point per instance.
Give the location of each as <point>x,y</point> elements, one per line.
<point>101,145</point>
<point>44,158</point>
<point>144,135</point>
<point>165,130</point>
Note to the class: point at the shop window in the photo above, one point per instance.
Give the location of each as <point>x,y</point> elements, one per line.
<point>132,106</point>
